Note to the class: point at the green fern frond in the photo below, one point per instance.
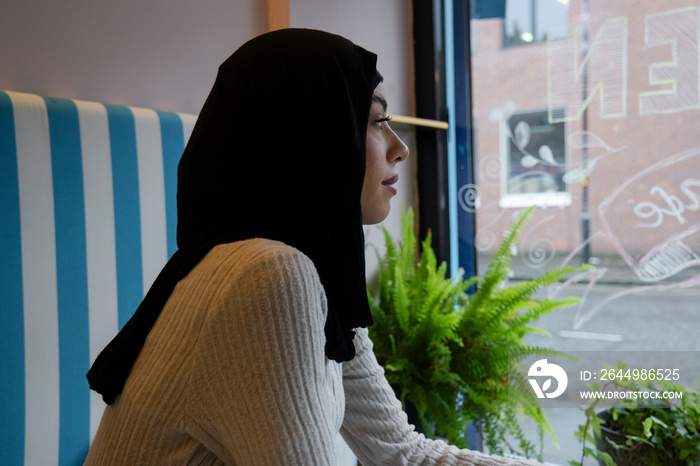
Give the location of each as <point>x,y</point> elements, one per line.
<point>537,309</point>
<point>499,268</point>
<point>407,254</point>
<point>449,353</point>
<point>401,301</point>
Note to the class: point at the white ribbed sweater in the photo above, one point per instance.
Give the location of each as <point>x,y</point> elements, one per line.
<point>234,372</point>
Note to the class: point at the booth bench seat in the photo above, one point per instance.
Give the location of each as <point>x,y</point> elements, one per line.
<point>88,218</point>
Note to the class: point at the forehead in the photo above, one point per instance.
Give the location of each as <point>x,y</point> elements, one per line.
<point>379,96</point>
<point>380,91</point>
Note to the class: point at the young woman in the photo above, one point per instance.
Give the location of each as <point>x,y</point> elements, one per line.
<point>251,347</point>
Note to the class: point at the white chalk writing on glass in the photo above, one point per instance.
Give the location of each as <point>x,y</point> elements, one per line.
<point>603,68</point>
<point>595,146</point>
<point>489,172</point>
<point>669,254</point>
<point>597,149</point>
<point>680,29</point>
<point>606,65</point>
<point>541,250</point>
<point>676,207</point>
<point>468,197</point>
<point>676,80</point>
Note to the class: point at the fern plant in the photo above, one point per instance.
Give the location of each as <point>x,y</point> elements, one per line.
<point>447,352</point>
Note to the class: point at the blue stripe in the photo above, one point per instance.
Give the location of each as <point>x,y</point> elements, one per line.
<point>71,280</point>
<point>173,141</point>
<point>127,210</point>
<point>12,397</point>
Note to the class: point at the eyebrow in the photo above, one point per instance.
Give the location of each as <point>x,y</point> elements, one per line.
<point>379,100</point>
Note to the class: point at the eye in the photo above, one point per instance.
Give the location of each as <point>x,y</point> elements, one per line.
<point>382,120</point>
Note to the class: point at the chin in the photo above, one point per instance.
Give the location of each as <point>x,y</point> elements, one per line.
<point>375,216</point>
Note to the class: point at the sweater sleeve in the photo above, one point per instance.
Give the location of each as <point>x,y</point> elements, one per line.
<point>376,428</point>
<point>262,389</point>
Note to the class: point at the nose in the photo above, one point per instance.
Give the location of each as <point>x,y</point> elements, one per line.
<point>398,151</point>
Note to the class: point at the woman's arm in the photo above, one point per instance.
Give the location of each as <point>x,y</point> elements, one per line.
<point>377,429</point>
<point>263,393</point>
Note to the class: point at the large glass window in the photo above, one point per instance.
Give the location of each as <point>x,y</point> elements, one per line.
<point>596,123</point>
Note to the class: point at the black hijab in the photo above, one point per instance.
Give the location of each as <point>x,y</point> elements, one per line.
<point>278,152</point>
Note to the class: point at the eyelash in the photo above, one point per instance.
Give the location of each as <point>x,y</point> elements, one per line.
<point>382,120</point>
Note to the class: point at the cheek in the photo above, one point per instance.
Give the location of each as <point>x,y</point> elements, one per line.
<point>374,199</point>
<point>373,158</point>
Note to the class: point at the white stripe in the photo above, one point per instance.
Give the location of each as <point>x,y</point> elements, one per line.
<point>188,121</point>
<point>99,237</point>
<point>39,279</point>
<point>154,242</point>
<point>590,335</point>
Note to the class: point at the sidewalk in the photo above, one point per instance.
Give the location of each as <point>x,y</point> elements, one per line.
<point>638,317</point>
<point>617,271</point>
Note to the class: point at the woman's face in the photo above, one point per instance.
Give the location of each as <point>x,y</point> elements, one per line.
<point>384,151</point>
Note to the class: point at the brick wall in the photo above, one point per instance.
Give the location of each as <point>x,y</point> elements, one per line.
<point>629,141</point>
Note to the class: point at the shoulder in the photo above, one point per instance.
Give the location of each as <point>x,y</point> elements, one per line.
<point>252,253</point>
<point>243,259</point>
<point>264,266</point>
<point>250,268</point>
<point>252,286</point>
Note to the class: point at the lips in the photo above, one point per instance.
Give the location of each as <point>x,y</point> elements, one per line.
<point>390,182</point>
<point>393,180</point>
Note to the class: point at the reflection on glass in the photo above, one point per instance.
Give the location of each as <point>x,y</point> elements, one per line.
<point>530,21</point>
<point>601,133</point>
<point>536,154</point>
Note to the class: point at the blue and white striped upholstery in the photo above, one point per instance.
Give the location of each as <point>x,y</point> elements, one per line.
<point>87,220</point>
